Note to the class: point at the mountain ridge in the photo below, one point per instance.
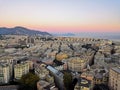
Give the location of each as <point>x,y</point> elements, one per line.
<point>19,30</point>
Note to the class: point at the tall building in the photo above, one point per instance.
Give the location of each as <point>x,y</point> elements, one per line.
<point>114,78</point>
<point>58,77</point>
<point>77,64</point>
<point>21,69</point>
<point>30,40</point>
<point>4,73</point>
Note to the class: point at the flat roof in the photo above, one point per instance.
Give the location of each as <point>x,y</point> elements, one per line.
<point>55,71</point>
<point>116,69</point>
<point>52,69</point>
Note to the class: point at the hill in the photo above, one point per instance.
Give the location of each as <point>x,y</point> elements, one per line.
<point>21,31</point>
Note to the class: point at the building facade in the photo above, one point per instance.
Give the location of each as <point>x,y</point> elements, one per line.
<point>77,64</point>
<point>4,73</point>
<point>21,69</point>
<point>114,78</point>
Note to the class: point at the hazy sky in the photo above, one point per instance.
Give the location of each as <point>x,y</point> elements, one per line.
<point>62,15</point>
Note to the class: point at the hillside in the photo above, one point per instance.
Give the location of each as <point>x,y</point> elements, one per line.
<point>22,31</point>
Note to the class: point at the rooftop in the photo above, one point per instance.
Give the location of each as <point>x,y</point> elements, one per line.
<point>55,71</point>
<point>11,87</point>
<point>3,64</point>
<point>116,69</point>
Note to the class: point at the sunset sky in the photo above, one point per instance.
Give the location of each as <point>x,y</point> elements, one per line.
<point>62,15</point>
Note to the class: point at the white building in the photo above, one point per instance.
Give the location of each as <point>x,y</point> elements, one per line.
<point>4,73</point>
<point>21,69</point>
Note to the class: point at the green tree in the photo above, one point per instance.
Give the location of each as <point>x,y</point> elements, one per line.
<point>29,81</point>
<point>67,79</point>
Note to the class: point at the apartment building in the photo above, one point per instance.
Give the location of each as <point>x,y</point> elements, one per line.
<point>114,78</point>
<point>4,73</point>
<point>77,64</point>
<point>21,69</point>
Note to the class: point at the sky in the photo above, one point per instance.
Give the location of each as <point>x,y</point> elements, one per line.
<point>62,15</point>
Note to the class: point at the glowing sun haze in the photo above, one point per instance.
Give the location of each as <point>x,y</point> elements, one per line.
<point>62,15</point>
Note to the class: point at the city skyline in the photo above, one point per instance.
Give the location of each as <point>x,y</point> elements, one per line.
<point>62,16</point>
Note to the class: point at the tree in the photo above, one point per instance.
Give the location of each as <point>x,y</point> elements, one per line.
<point>29,81</point>
<point>67,79</point>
